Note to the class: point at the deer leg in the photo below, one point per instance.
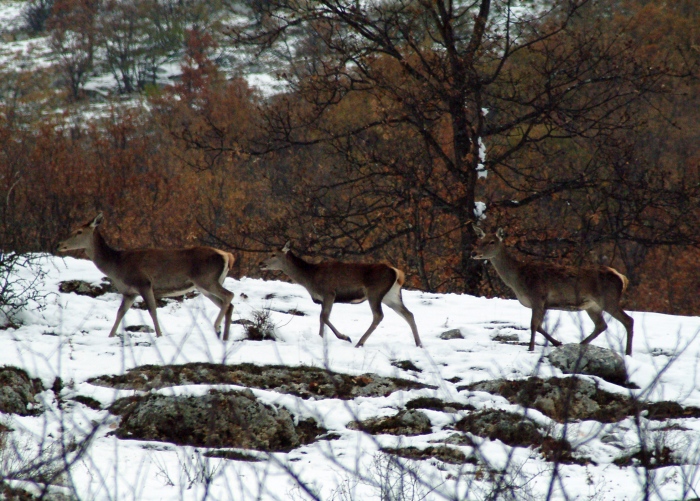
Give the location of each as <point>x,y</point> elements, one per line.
<point>393,300</point>
<point>628,322</point>
<point>150,299</point>
<point>551,339</point>
<point>325,318</point>
<point>600,325</point>
<point>222,298</point>
<point>377,317</point>
<point>538,312</point>
<point>127,301</point>
<point>227,320</point>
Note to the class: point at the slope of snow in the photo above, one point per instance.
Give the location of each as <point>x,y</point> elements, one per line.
<point>66,337</point>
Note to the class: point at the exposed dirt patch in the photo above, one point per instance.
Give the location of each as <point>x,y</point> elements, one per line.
<point>560,451</point>
<point>407,422</point>
<point>506,338</point>
<point>670,410</point>
<point>573,399</point>
<point>83,288</point>
<point>406,365</point>
<point>18,392</point>
<point>139,328</point>
<point>88,402</point>
<point>8,493</point>
<point>509,428</point>
<point>517,431</point>
<point>304,382</point>
<point>436,404</point>
<point>650,459</point>
<point>217,419</point>
<point>161,302</point>
<point>293,311</point>
<point>441,452</point>
<point>232,455</point>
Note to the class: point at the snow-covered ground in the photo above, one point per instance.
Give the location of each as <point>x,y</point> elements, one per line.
<point>67,337</point>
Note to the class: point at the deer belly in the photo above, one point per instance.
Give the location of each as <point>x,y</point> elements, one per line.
<point>582,305</point>
<point>173,291</point>
<point>350,296</point>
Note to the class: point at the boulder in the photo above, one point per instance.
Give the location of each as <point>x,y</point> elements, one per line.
<point>452,334</point>
<point>589,360</point>
<point>217,419</point>
<point>407,422</point>
<point>496,424</point>
<point>17,392</point>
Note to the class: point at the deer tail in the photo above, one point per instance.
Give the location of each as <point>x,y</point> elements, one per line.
<point>400,276</point>
<point>230,261</point>
<point>623,279</point>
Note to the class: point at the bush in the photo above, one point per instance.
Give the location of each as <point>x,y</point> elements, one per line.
<point>20,276</point>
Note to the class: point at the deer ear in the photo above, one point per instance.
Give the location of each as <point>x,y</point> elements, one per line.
<point>287,247</point>
<point>479,232</point>
<point>501,234</point>
<point>96,222</point>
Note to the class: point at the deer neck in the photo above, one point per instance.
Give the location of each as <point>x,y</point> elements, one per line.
<point>508,268</point>
<point>101,253</point>
<point>298,270</point>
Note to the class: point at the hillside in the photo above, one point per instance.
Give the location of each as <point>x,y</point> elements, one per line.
<point>75,418</point>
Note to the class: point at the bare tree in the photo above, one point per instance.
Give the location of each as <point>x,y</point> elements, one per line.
<point>474,88</point>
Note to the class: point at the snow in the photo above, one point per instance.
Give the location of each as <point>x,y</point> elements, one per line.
<point>66,337</point>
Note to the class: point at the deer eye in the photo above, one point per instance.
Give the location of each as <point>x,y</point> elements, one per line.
<point>80,232</point>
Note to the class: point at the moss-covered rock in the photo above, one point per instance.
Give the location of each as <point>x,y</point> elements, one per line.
<point>305,382</point>
<point>217,419</point>
<point>18,392</point>
<point>407,422</point>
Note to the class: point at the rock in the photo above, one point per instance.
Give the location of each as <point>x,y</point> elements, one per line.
<point>406,365</point>
<point>18,391</point>
<point>589,360</point>
<point>217,419</point>
<point>83,288</point>
<point>562,399</point>
<point>302,381</point>
<point>452,334</point>
<point>507,427</point>
<point>436,404</point>
<point>139,328</point>
<point>441,452</point>
<point>574,399</point>
<point>506,338</point>
<point>407,422</point>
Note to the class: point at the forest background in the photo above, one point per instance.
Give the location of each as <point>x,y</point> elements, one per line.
<point>393,126</point>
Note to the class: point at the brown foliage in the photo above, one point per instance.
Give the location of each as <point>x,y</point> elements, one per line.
<point>374,163</point>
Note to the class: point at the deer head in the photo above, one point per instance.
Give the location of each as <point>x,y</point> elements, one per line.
<point>276,261</point>
<point>81,237</point>
<point>488,245</point>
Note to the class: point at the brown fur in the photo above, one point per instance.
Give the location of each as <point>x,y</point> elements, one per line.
<point>544,286</point>
<point>336,282</point>
<point>155,273</point>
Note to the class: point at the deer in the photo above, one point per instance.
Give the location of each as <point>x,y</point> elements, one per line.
<point>338,282</point>
<point>156,273</point>
<point>543,286</point>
